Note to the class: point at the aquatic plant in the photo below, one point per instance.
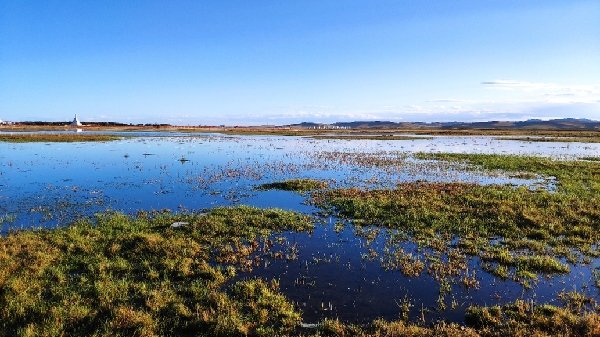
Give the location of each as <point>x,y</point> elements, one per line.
<point>383,136</point>
<point>523,318</point>
<point>519,318</point>
<point>577,300</point>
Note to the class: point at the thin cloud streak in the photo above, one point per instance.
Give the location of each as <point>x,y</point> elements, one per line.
<point>549,91</point>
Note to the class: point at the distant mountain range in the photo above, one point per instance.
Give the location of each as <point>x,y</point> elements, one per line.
<point>531,124</point>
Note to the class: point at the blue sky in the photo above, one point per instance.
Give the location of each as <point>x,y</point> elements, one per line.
<point>279,62</point>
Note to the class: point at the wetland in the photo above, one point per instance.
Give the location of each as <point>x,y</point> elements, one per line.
<point>204,234</point>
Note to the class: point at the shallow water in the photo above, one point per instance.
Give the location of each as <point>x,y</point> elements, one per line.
<point>50,184</point>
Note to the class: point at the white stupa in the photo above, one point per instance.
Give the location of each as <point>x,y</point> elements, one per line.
<point>76,122</point>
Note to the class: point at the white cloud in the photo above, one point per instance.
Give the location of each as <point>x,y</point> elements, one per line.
<point>548,92</point>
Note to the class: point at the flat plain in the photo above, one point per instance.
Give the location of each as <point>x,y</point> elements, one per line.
<point>261,232</point>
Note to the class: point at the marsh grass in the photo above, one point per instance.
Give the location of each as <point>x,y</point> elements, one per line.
<point>137,276</point>
<point>593,139</point>
<point>519,318</point>
<point>297,185</point>
<point>518,232</point>
<point>55,138</point>
<point>523,318</point>
<point>574,177</point>
<point>577,300</point>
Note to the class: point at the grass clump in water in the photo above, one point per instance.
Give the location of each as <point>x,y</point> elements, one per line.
<point>523,318</point>
<point>138,276</point>
<point>297,185</point>
<point>519,318</point>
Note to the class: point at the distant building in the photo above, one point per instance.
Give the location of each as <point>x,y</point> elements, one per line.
<point>76,122</point>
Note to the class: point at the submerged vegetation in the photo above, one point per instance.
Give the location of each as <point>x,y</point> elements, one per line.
<point>560,139</point>
<point>370,137</point>
<point>58,138</point>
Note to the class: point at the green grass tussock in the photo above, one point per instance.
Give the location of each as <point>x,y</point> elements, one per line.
<point>517,319</point>
<point>297,185</point>
<point>523,318</point>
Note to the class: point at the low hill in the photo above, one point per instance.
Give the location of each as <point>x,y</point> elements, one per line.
<point>531,124</point>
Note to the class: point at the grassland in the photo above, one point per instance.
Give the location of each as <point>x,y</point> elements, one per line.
<point>55,138</point>
<point>583,135</point>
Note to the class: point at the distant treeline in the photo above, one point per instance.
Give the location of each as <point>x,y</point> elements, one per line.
<point>38,123</point>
